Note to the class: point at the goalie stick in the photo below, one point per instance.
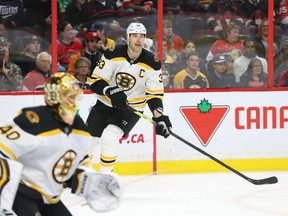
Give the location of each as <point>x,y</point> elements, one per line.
<point>269,180</point>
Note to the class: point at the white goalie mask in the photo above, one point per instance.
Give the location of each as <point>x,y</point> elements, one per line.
<point>63,93</point>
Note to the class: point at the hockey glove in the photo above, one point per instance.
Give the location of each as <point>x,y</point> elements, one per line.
<point>163,126</point>
<point>103,191</point>
<point>117,96</point>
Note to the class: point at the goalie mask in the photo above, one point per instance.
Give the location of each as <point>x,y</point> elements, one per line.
<point>63,93</point>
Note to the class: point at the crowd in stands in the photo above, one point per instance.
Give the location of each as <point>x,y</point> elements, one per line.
<point>206,43</point>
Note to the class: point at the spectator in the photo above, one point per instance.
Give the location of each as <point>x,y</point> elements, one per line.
<point>261,40</point>
<point>172,7</point>
<point>231,45</point>
<point>222,13</point>
<point>192,5</point>
<point>282,13</point>
<point>6,31</point>
<point>82,69</point>
<point>191,77</point>
<point>104,9</point>
<point>10,74</point>
<point>4,26</point>
<point>12,11</point>
<point>174,42</point>
<point>67,44</point>
<point>241,64</point>
<point>62,5</point>
<point>253,11</point>
<point>149,45</point>
<point>254,77</point>
<point>105,42</point>
<point>36,78</point>
<point>90,51</point>
<point>283,79</point>
<point>281,59</point>
<point>27,58</point>
<point>146,6</point>
<point>189,46</point>
<point>168,59</point>
<point>38,15</point>
<point>143,6</point>
<point>166,76</point>
<point>78,13</point>
<point>218,77</point>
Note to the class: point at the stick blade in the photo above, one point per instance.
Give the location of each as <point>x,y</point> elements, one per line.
<point>270,180</point>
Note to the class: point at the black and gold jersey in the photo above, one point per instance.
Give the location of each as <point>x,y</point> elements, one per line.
<point>141,79</point>
<point>50,150</point>
<point>183,80</point>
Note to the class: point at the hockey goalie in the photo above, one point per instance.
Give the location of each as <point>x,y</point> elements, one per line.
<point>44,148</point>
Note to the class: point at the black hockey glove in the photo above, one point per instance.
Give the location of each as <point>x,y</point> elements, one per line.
<point>163,126</point>
<point>117,96</point>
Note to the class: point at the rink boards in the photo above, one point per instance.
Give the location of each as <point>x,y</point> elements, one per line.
<point>247,130</point>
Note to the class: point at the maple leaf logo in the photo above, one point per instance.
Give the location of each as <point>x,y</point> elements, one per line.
<point>204,119</point>
<point>204,106</point>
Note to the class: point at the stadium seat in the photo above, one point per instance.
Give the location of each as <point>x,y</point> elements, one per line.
<point>204,43</point>
<point>186,27</point>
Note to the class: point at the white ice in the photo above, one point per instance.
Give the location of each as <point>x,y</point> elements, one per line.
<point>216,194</point>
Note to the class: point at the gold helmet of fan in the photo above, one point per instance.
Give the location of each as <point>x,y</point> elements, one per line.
<point>63,92</point>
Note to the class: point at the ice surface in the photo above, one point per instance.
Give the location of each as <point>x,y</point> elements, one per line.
<point>213,194</point>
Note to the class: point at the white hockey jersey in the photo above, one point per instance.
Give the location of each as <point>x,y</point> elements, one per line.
<point>49,150</point>
<point>140,79</point>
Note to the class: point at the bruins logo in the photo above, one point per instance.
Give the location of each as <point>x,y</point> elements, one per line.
<point>63,165</point>
<point>125,81</point>
<point>33,117</point>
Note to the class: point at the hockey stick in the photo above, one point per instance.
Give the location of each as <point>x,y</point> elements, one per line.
<point>269,180</point>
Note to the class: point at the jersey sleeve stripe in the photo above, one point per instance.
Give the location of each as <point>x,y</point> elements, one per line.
<point>50,133</point>
<point>154,96</point>
<point>8,151</point>
<point>141,64</point>
<point>97,77</point>
<point>80,132</point>
<point>138,100</point>
<point>156,91</point>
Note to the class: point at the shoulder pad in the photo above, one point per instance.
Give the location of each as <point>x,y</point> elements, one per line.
<point>116,51</point>
<point>35,120</point>
<point>150,59</point>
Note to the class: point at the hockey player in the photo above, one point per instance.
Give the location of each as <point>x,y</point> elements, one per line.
<point>43,148</point>
<point>126,75</point>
